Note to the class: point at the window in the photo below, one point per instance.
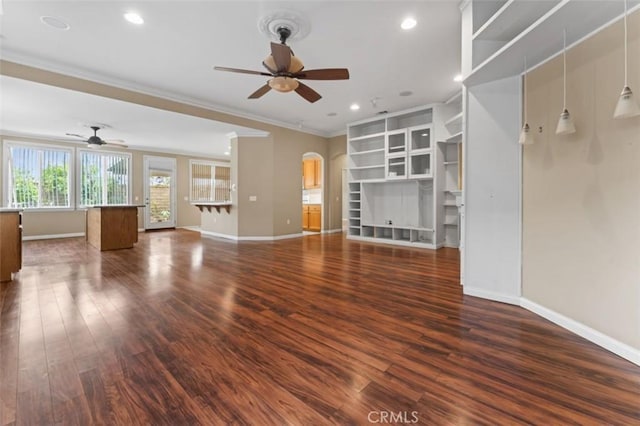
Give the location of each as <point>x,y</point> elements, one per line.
<point>37,176</point>
<point>104,178</point>
<point>210,181</point>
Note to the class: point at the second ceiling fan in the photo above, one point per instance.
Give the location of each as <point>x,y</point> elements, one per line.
<point>285,70</point>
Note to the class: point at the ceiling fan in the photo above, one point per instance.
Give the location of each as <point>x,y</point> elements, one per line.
<point>286,70</point>
<point>96,141</point>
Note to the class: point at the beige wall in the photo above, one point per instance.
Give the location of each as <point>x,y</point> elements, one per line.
<point>581,192</point>
<point>70,222</point>
<point>287,149</point>
<point>337,162</point>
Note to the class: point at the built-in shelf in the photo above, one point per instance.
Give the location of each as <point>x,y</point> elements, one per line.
<point>371,151</point>
<point>455,99</point>
<point>456,120</point>
<point>450,224</point>
<point>542,38</point>
<point>448,204</point>
<point>217,206</point>
<point>455,138</point>
<point>513,18</point>
<point>371,136</point>
<point>376,166</point>
<point>450,163</point>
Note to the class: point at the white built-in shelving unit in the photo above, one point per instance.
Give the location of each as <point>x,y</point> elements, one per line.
<point>504,31</point>
<point>397,176</point>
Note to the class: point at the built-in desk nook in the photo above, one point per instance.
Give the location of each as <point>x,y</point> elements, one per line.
<point>112,227</point>
<point>10,243</point>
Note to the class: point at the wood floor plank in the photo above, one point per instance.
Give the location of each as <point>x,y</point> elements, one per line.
<point>315,330</point>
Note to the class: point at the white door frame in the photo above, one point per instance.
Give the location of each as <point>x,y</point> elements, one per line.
<point>162,163</point>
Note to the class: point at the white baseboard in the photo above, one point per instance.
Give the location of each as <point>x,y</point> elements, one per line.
<point>332,231</point>
<point>484,294</point>
<point>52,236</point>
<point>621,349</point>
<point>140,229</point>
<point>249,238</point>
<point>190,228</point>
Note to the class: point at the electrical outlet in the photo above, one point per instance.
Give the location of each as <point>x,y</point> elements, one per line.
<point>253,198</point>
<point>288,221</point>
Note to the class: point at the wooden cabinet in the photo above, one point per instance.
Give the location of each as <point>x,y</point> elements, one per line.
<point>312,217</point>
<point>305,217</point>
<point>112,227</point>
<point>10,243</point>
<point>311,174</point>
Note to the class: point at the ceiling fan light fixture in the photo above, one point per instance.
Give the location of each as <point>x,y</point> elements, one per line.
<point>295,65</point>
<point>283,84</point>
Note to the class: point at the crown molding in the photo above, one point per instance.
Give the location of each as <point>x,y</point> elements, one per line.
<point>248,134</point>
<point>10,55</point>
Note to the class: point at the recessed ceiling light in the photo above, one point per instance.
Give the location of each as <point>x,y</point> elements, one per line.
<point>332,114</point>
<point>406,93</point>
<point>227,153</point>
<point>408,23</point>
<point>457,78</point>
<point>56,23</point>
<point>134,18</point>
<point>354,107</point>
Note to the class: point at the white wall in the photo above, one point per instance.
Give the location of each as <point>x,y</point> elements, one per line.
<point>492,191</point>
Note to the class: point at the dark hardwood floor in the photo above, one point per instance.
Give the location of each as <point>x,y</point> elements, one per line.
<point>309,331</point>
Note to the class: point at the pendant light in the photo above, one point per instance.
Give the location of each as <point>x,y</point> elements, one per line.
<point>626,106</point>
<point>526,135</point>
<point>565,123</point>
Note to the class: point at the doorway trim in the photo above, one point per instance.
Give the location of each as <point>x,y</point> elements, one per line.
<point>171,166</point>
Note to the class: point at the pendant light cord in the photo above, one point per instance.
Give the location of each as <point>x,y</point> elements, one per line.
<point>525,90</point>
<point>564,73</point>
<point>625,44</point>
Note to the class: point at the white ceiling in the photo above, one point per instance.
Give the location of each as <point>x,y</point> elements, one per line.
<point>173,53</point>
<point>42,111</point>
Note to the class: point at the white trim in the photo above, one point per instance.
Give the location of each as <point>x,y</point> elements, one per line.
<point>484,294</point>
<point>141,229</point>
<point>172,164</point>
<point>52,236</point>
<point>50,66</point>
<point>609,343</point>
<point>7,143</point>
<point>78,170</point>
<point>250,238</point>
<point>248,134</point>
<point>190,228</point>
<point>218,235</point>
<point>331,231</point>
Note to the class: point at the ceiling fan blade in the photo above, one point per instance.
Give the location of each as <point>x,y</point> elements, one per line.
<point>307,92</point>
<point>272,71</point>
<point>324,74</point>
<point>113,141</point>
<point>241,71</point>
<point>281,55</point>
<point>118,144</point>
<point>261,91</point>
<point>76,135</point>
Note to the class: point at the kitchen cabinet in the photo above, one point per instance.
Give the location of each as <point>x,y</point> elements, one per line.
<point>312,217</point>
<point>305,217</point>
<point>311,174</point>
<point>10,243</point>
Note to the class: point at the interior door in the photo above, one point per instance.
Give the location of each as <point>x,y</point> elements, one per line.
<point>159,192</point>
